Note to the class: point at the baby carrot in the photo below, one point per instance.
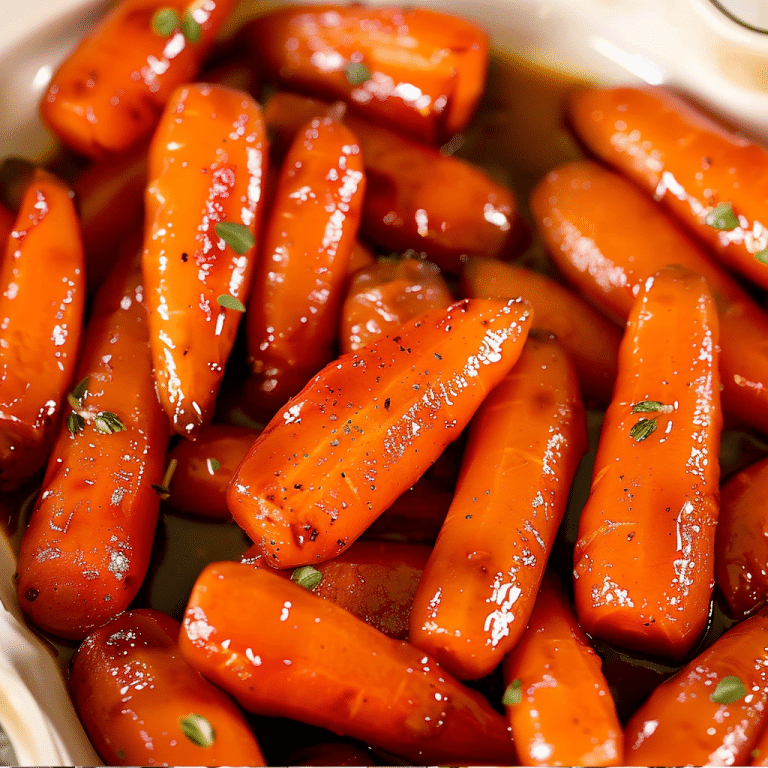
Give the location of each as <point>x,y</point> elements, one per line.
<point>203,206</point>
<point>558,703</point>
<point>592,341</point>
<point>525,444</point>
<point>607,238</point>
<point>368,426</point>
<point>142,704</point>
<point>644,555</point>
<point>304,257</point>
<point>419,71</point>
<point>712,179</point>
<point>42,292</point>
<point>109,94</point>
<point>87,546</point>
<point>282,652</point>
<point>713,711</point>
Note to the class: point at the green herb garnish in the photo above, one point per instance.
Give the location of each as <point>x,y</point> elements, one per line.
<point>237,236</point>
<point>108,423</point>
<point>643,429</point>
<point>357,73</point>
<point>762,256</point>
<point>729,690</point>
<point>722,217</point>
<point>513,694</point>
<point>230,302</point>
<point>165,21</point>
<point>190,28</point>
<point>307,576</point>
<point>75,423</point>
<point>163,488</point>
<point>198,730</point>
<point>647,406</point>
<point>213,465</point>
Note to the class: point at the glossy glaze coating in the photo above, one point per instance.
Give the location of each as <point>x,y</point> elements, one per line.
<point>644,558</point>
<point>86,549</point>
<point>42,293</point>
<point>132,687</point>
<point>282,651</point>
<point>206,166</point>
<point>368,426</point>
<point>525,444</point>
<point>304,257</point>
<point>109,94</point>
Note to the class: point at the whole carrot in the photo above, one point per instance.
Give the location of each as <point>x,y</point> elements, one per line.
<point>643,573</point>
<point>558,703</point>
<point>42,293</point>
<point>203,207</point>
<point>712,179</point>
<point>86,549</point>
<point>109,93</point>
<point>525,444</point>
<point>368,426</point>
<point>142,704</point>
<point>281,651</point>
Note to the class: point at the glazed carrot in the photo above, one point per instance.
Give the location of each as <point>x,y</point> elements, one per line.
<point>280,651</point>
<point>206,165</point>
<point>368,426</point>
<point>712,179</point>
<point>607,238</point>
<point>373,580</point>
<point>525,443</point>
<point>643,572</point>
<point>561,711</point>
<point>741,544</point>
<point>386,295</point>
<point>303,262</point>
<point>142,704</point>
<point>418,71</point>
<point>411,200</point>
<point>87,546</point>
<point>42,292</point>
<point>711,712</point>
<point>205,468</point>
<point>109,94</point>
<point>591,340</point>
<point>360,258</point>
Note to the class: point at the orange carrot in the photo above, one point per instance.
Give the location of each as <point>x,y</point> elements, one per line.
<point>525,444</point>
<point>280,651</point>
<point>644,557</point>
<point>368,426</point>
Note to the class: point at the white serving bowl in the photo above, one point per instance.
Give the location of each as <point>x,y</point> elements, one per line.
<point>691,44</point>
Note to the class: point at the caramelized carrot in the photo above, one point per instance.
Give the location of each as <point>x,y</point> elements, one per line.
<point>713,711</point>
<point>360,258</point>
<point>560,709</point>
<point>87,546</point>
<point>644,556</point>
<point>416,70</point>
<point>592,341</point>
<point>109,94</point>
<point>204,469</point>
<point>206,167</point>
<point>607,238</point>
<point>386,295</point>
<point>280,651</point>
<point>304,257</point>
<point>368,426</point>
<point>42,292</point>
<point>142,704</point>
<point>712,179</point>
<point>525,444</point>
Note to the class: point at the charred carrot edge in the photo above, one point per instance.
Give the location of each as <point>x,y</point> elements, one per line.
<point>525,443</point>
<point>280,651</point>
<point>591,340</point>
<point>419,71</point>
<point>559,706</point>
<point>203,209</point>
<point>142,704</point>
<point>643,561</point>
<point>304,258</point>
<point>711,179</point>
<point>415,181</point>
<point>42,293</point>
<point>719,700</point>
<point>368,426</point>
<point>607,238</point>
<point>387,294</point>
<point>86,549</point>
<point>109,93</point>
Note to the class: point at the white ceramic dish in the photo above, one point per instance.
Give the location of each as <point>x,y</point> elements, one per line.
<point>692,44</point>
